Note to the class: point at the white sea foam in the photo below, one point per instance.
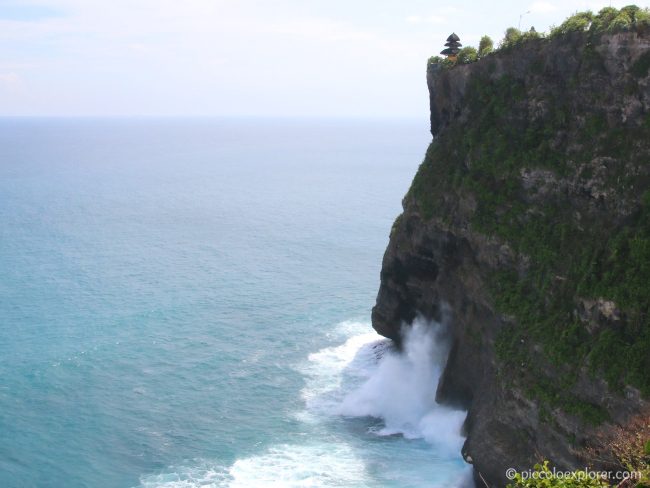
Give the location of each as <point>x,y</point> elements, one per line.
<point>328,372</point>
<point>313,465</point>
<point>203,474</point>
<point>362,377</point>
<point>400,389</point>
<point>282,466</point>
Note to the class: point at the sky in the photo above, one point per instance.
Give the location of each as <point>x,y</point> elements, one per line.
<point>269,58</point>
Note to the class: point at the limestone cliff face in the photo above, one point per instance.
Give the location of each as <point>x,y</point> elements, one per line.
<point>518,220</point>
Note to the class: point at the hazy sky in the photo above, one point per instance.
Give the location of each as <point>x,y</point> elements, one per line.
<point>239,57</point>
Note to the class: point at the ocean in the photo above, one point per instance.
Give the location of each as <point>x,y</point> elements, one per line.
<point>186,302</point>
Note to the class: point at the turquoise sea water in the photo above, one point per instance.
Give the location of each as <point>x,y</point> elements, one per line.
<point>186,303</point>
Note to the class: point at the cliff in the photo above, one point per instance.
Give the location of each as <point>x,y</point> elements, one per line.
<point>530,219</point>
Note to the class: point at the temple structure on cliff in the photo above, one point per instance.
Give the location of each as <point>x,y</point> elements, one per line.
<point>453,47</point>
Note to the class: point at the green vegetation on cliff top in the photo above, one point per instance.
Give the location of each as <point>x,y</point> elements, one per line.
<point>607,20</point>
<point>572,258</point>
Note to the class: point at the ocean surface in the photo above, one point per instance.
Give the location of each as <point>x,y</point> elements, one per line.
<point>186,303</point>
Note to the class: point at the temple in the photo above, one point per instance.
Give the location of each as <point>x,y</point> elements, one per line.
<point>453,47</point>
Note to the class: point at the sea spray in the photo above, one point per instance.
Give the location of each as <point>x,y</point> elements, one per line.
<point>360,375</point>
<point>401,390</point>
<point>333,372</point>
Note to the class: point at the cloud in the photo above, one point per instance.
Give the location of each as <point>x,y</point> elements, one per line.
<point>542,7</point>
<point>27,12</point>
<point>140,48</point>
<point>431,19</point>
<point>317,29</point>
<point>11,84</point>
<point>9,79</point>
<point>227,56</point>
<point>450,9</point>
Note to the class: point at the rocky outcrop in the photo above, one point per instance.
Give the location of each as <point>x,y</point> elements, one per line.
<point>449,244</point>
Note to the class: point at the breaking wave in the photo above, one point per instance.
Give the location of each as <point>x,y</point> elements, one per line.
<point>363,379</point>
<point>400,389</point>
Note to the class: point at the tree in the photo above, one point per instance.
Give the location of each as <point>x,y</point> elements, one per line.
<point>642,17</point>
<point>631,10</point>
<point>605,17</point>
<point>580,21</point>
<point>434,60</point>
<point>621,21</point>
<point>485,46</point>
<point>467,55</point>
<point>511,38</point>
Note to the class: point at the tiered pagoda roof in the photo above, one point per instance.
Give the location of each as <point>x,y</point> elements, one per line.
<point>453,46</point>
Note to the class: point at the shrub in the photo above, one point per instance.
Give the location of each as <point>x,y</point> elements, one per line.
<point>467,55</point>
<point>605,16</point>
<point>610,19</point>
<point>485,46</point>
<point>631,447</point>
<point>580,21</point>
<point>511,37</point>
<point>434,60</point>
<point>531,34</point>
<point>620,22</point>
<point>543,477</point>
<point>439,60</point>
<point>642,17</point>
<point>630,10</point>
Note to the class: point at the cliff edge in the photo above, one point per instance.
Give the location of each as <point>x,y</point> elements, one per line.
<point>530,219</point>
